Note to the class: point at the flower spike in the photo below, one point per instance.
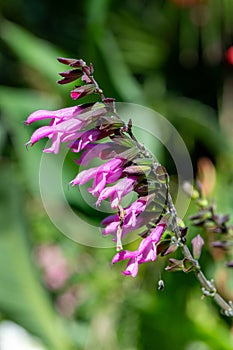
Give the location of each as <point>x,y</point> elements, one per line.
<point>96,130</point>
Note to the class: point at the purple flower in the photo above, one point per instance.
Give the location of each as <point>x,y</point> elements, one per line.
<point>117,191</point>
<point>82,126</point>
<point>107,150</point>
<point>92,150</point>
<point>60,115</point>
<point>68,124</point>
<point>86,137</point>
<point>62,132</point>
<point>106,173</point>
<point>147,251</point>
<point>132,217</point>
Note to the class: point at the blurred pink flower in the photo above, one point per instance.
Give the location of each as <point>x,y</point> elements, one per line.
<point>67,302</point>
<point>55,267</point>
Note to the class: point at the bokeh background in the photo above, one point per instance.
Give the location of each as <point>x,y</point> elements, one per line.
<point>170,55</point>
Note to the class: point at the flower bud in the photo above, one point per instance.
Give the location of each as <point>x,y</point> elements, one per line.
<point>82,91</point>
<point>197,243</point>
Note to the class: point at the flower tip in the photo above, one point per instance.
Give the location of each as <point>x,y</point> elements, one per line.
<point>129,273</point>
<point>75,95</point>
<point>97,203</point>
<point>119,247</point>
<point>115,259</point>
<point>27,144</point>
<point>61,60</point>
<point>66,61</point>
<point>60,81</point>
<point>71,183</point>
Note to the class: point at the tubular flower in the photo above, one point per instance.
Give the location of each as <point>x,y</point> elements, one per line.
<point>128,167</point>
<point>146,251</point>
<point>87,137</point>
<point>66,124</point>
<point>106,173</point>
<point>99,150</point>
<point>117,192</point>
<point>135,217</point>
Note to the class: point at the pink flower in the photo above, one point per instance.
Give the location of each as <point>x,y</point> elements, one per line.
<point>68,124</point>
<point>106,173</point>
<point>146,251</point>
<point>54,264</point>
<point>132,217</point>
<point>62,132</point>
<point>60,115</point>
<point>92,150</point>
<point>117,191</point>
<point>87,137</point>
<point>103,151</point>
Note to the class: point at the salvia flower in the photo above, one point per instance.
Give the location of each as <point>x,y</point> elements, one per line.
<point>66,124</point>
<point>104,151</point>
<point>128,167</point>
<point>146,252</point>
<point>106,173</point>
<point>135,216</point>
<point>117,192</point>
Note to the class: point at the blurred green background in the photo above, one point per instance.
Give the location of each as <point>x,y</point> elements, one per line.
<point>168,55</point>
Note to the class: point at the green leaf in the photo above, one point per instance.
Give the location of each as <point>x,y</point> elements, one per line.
<point>36,53</point>
<point>14,115</point>
<point>22,297</point>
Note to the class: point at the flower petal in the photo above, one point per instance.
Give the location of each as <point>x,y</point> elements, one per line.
<point>131,268</point>
<point>124,254</point>
<point>64,113</point>
<point>44,131</point>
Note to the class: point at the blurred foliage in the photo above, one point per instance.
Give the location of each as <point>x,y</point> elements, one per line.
<point>166,54</point>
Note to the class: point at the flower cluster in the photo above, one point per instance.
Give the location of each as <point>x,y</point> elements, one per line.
<point>128,166</point>
<point>95,130</point>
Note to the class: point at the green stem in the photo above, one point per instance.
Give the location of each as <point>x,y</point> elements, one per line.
<point>208,286</point>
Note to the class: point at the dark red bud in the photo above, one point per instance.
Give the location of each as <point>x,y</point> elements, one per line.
<point>73,62</point>
<point>82,91</point>
<point>70,76</point>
